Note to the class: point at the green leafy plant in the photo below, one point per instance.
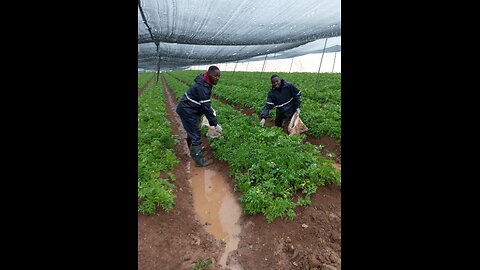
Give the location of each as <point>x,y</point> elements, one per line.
<point>201,264</point>
<point>304,201</point>
<point>155,153</point>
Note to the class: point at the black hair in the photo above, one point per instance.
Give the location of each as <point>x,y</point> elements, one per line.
<point>273,76</point>
<point>212,68</point>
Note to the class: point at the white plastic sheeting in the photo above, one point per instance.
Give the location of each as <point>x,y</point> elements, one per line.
<point>330,62</point>
<point>182,33</point>
<point>330,45</point>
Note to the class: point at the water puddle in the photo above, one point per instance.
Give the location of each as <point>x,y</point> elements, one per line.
<point>218,208</point>
<point>213,199</point>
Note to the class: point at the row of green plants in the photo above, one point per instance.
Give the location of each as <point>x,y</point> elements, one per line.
<point>143,78</point>
<point>323,87</point>
<point>275,172</point>
<point>322,81</point>
<point>321,100</point>
<point>155,153</point>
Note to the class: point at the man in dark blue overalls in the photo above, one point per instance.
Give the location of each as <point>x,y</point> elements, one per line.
<point>195,103</point>
<point>285,97</point>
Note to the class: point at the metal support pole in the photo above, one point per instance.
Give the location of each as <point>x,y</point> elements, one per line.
<point>235,68</point>
<point>334,57</point>
<point>158,62</point>
<point>264,61</point>
<point>318,74</point>
<point>158,69</point>
<point>291,65</point>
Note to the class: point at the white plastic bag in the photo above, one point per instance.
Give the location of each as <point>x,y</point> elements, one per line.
<point>296,125</point>
<point>211,132</point>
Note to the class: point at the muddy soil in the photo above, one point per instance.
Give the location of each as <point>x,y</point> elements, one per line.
<point>176,240</point>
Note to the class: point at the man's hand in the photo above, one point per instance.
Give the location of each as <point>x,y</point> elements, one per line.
<point>218,128</point>
<point>262,122</point>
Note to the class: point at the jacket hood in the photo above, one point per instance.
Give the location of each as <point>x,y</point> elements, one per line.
<point>199,80</point>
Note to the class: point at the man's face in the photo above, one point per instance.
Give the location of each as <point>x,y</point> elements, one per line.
<point>214,76</point>
<point>276,82</point>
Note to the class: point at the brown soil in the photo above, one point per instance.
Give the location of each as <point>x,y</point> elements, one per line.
<point>331,148</point>
<point>175,240</point>
<point>245,111</point>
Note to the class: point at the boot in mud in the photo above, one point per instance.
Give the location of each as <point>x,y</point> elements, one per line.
<point>196,152</point>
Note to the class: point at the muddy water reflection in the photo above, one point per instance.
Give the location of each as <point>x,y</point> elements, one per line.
<point>217,207</point>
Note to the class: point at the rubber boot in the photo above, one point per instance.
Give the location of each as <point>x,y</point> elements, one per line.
<point>196,152</point>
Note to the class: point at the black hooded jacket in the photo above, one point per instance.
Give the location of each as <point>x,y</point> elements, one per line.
<point>286,97</point>
<point>196,101</point>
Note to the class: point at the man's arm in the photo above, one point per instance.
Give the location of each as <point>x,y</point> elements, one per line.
<point>206,106</point>
<point>297,97</point>
<point>268,106</point>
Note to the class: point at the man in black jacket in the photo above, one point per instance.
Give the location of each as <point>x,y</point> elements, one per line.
<point>285,97</point>
<point>194,103</point>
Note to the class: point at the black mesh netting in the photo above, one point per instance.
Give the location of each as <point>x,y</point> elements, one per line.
<point>181,33</point>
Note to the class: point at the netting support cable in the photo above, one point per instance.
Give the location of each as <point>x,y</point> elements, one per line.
<point>318,73</point>
<point>148,26</point>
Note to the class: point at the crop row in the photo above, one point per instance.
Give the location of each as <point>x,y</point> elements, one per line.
<point>143,78</point>
<point>155,152</point>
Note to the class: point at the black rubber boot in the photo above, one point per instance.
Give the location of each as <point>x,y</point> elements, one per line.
<point>196,152</point>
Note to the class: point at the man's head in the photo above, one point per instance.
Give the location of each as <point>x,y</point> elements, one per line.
<point>276,81</point>
<point>213,74</point>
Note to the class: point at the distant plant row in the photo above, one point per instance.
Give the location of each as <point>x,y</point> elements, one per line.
<point>143,78</point>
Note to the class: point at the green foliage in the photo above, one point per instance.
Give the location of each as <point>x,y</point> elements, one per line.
<point>304,201</point>
<point>155,153</point>
<point>279,208</point>
<point>153,193</point>
<point>143,78</point>
<point>201,264</point>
